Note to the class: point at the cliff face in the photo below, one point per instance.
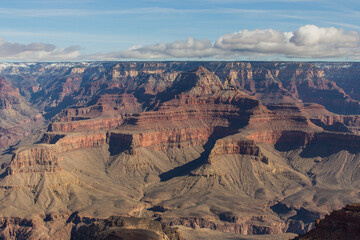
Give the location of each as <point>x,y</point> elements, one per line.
<point>79,91</point>
<point>17,117</point>
<point>88,124</point>
<point>45,158</point>
<point>8,95</point>
<point>242,147</point>
<point>340,224</point>
<point>34,160</point>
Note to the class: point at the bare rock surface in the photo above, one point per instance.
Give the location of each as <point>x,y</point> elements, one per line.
<point>125,228</point>
<point>238,147</point>
<point>339,224</point>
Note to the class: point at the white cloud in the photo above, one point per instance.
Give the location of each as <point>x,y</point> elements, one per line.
<point>36,52</point>
<point>254,41</point>
<point>311,35</point>
<point>190,48</point>
<point>308,41</point>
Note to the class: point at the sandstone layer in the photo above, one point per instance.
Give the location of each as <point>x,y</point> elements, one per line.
<point>238,147</point>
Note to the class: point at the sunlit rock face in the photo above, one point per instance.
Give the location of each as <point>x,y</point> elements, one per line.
<point>241,147</point>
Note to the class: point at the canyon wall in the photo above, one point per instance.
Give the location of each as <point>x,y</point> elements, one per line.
<point>242,147</point>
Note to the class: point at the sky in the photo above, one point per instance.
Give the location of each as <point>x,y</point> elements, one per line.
<point>102,30</point>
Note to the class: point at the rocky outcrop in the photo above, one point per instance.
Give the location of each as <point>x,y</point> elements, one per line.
<point>67,226</point>
<point>78,141</point>
<point>37,159</point>
<point>250,226</point>
<point>161,139</point>
<point>16,228</point>
<point>102,106</point>
<point>243,147</point>
<point>86,125</point>
<point>125,228</point>
<point>196,136</point>
<point>340,224</point>
<point>273,137</point>
<point>45,157</point>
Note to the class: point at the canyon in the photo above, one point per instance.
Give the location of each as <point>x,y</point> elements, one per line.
<point>237,148</point>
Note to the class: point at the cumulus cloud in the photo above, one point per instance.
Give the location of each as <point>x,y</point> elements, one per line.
<point>257,41</point>
<point>311,35</point>
<point>36,52</point>
<point>190,48</point>
<point>308,41</point>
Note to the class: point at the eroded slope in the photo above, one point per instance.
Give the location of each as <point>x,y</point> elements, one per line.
<point>184,145</point>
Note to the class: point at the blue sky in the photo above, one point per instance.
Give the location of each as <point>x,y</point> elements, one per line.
<point>62,30</point>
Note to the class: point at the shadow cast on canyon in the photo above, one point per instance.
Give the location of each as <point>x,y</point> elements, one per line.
<point>219,132</point>
<point>321,145</point>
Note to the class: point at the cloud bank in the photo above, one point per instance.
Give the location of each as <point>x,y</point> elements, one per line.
<point>36,52</point>
<point>308,41</point>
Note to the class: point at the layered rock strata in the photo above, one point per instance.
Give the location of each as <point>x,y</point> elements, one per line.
<point>237,147</point>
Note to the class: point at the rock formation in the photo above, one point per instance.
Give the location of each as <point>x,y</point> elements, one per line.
<point>125,228</point>
<point>340,224</point>
<point>246,148</point>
